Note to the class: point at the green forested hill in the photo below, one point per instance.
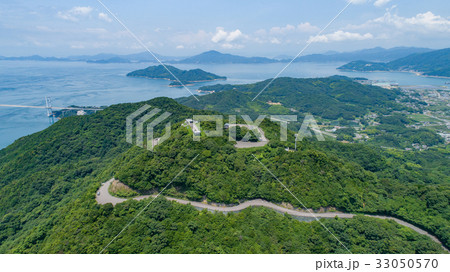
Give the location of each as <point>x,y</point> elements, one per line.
<point>330,98</point>
<point>333,101</point>
<point>48,182</point>
<point>186,77</point>
<point>435,63</point>
<point>353,178</point>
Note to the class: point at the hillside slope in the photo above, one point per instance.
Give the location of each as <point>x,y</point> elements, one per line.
<point>330,98</point>
<point>372,54</point>
<point>435,63</point>
<point>49,179</point>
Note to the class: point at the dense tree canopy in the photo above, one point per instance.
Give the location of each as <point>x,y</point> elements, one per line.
<point>175,75</point>
<point>49,179</point>
<point>330,98</point>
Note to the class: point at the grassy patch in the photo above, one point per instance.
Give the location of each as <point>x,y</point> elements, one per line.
<point>423,118</point>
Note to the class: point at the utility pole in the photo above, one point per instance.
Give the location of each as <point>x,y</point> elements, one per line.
<point>296,135</point>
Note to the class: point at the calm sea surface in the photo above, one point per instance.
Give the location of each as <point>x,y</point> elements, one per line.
<point>83,84</point>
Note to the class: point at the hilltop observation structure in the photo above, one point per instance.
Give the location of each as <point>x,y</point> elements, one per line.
<point>259,133</point>
<point>194,126</point>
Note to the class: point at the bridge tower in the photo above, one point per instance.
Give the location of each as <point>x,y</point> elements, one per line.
<point>50,114</point>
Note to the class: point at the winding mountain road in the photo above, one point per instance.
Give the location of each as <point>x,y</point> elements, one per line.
<point>103,197</point>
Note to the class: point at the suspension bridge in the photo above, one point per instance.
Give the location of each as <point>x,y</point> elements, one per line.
<point>48,106</point>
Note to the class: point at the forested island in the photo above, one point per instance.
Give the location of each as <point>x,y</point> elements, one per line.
<point>176,76</point>
<point>435,63</point>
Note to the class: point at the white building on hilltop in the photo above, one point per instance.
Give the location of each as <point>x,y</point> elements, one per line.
<point>81,112</point>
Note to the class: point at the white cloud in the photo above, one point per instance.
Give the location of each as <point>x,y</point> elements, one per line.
<point>228,40</point>
<point>221,35</point>
<point>275,41</point>
<point>234,35</point>
<point>81,10</point>
<point>307,27</point>
<point>284,34</point>
<point>180,46</point>
<point>104,17</point>
<point>74,13</point>
<point>282,30</point>
<point>377,3</point>
<point>380,3</point>
<point>357,2</point>
<point>423,22</point>
<point>162,29</point>
<point>339,36</point>
<point>302,27</point>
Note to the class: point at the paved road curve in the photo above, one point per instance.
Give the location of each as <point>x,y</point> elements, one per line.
<point>103,197</point>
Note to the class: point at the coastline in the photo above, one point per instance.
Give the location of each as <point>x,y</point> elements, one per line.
<point>417,73</point>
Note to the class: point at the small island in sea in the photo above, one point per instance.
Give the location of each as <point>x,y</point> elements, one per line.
<point>187,77</point>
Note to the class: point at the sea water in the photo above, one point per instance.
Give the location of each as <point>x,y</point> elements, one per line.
<point>87,84</point>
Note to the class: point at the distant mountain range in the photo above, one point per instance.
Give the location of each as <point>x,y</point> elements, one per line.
<point>373,54</point>
<point>434,63</point>
<point>377,54</point>
<point>101,58</point>
<point>185,76</point>
<point>35,58</point>
<point>215,57</point>
<point>113,58</point>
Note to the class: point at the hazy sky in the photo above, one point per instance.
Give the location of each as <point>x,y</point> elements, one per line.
<point>245,27</point>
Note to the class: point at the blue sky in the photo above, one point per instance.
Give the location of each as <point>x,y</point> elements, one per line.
<point>267,28</point>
